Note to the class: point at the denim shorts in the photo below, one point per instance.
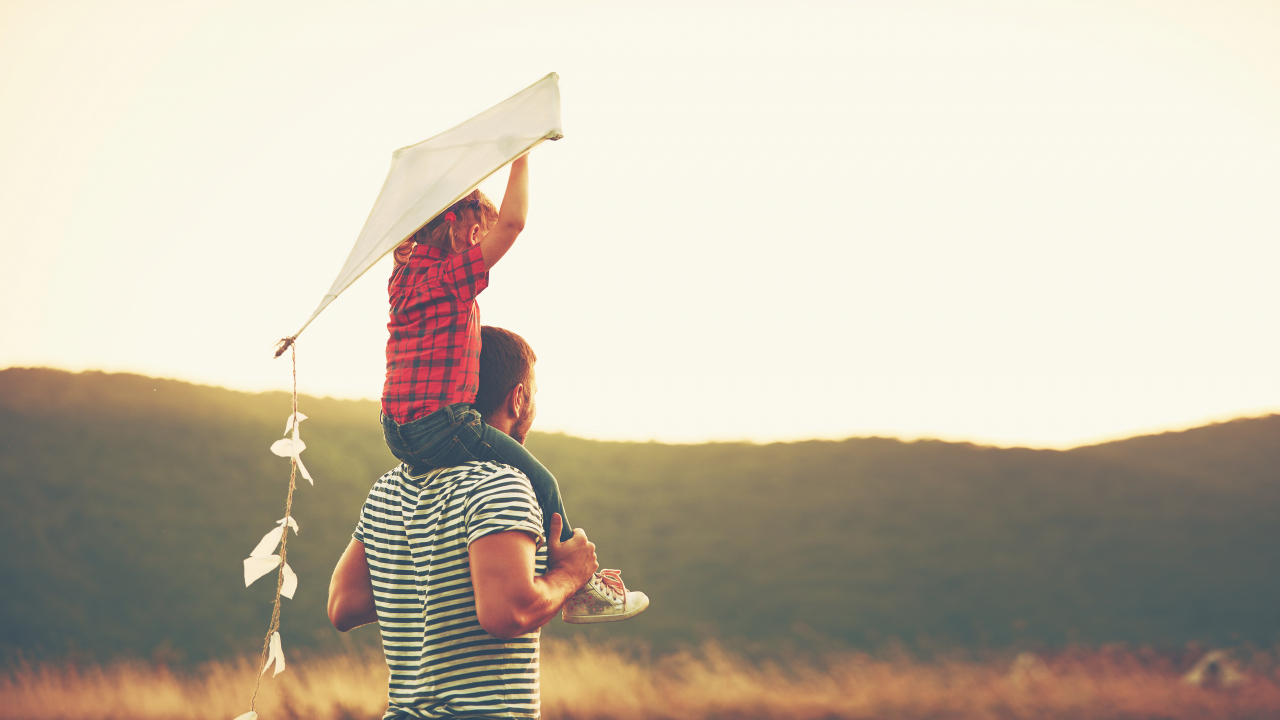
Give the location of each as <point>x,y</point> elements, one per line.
<point>456,434</point>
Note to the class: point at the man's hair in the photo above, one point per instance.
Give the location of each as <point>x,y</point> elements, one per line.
<point>505,362</point>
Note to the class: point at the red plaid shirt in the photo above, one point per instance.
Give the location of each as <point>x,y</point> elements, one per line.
<point>433,354</point>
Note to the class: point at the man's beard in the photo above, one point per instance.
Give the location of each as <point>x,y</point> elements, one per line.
<point>520,428</point>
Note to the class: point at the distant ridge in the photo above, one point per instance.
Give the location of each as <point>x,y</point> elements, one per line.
<point>129,503</point>
<point>41,389</point>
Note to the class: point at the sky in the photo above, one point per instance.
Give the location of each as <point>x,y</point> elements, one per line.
<point>1034,222</point>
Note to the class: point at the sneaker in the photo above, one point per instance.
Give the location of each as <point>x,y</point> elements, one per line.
<point>604,599</point>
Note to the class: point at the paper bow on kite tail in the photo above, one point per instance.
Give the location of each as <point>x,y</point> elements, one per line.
<point>427,178</point>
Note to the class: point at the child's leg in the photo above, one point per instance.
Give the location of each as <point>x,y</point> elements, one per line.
<point>497,446</point>
<point>455,435</point>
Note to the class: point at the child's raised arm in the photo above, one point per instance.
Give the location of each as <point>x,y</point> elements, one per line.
<point>515,207</point>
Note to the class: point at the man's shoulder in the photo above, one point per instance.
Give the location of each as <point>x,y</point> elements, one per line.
<point>477,471</point>
<point>466,482</point>
<point>487,478</point>
<point>474,479</point>
<point>495,498</point>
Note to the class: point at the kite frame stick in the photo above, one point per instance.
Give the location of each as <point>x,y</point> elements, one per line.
<point>285,343</point>
<point>324,302</point>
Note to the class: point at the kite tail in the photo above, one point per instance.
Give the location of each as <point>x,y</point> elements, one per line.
<point>274,628</point>
<point>284,344</point>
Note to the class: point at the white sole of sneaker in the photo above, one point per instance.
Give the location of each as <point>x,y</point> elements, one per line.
<point>587,619</point>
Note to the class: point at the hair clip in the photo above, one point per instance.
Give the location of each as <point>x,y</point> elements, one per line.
<point>450,217</point>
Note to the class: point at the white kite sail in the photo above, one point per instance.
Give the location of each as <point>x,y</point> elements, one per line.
<point>427,178</point>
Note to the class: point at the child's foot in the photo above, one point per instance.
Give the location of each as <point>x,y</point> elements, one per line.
<point>604,599</point>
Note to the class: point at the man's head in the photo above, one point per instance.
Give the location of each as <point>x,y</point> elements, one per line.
<point>507,383</point>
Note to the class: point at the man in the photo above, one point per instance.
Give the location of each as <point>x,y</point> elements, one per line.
<point>452,563</point>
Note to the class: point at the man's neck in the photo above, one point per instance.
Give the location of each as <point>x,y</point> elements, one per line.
<point>501,422</point>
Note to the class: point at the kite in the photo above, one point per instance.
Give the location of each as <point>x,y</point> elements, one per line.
<point>428,177</point>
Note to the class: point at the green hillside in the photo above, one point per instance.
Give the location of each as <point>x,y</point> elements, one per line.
<point>129,503</point>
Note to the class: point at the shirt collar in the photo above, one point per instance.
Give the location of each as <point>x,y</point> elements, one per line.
<point>430,252</point>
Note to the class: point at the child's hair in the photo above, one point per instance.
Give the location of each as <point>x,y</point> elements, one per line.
<point>474,209</point>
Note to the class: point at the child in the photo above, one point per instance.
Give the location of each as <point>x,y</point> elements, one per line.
<point>433,365</point>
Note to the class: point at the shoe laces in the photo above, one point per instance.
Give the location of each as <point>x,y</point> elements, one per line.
<point>612,579</point>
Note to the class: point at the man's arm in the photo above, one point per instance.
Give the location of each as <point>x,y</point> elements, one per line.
<point>351,590</point>
<point>510,599</point>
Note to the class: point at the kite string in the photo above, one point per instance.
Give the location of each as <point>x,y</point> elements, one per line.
<point>284,537</point>
<point>285,344</point>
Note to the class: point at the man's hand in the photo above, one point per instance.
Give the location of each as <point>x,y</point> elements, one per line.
<point>575,557</point>
<point>510,599</point>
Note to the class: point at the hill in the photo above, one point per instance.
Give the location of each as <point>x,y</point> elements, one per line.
<point>129,502</point>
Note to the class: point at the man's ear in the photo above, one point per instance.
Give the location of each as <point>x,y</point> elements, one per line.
<point>517,400</point>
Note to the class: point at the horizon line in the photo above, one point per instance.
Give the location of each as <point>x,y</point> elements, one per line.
<point>1170,428</point>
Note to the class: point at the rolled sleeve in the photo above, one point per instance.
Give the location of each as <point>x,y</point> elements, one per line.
<point>502,503</point>
<point>465,274</point>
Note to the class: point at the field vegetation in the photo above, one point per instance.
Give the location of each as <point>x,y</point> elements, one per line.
<point>129,503</point>
<point>584,682</point>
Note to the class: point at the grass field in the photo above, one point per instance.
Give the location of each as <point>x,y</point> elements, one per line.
<point>589,683</point>
<point>130,503</point>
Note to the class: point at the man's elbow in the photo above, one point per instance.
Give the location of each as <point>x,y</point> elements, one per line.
<point>340,616</point>
<point>507,625</point>
<point>336,619</point>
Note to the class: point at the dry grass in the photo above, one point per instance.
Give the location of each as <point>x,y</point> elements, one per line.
<point>586,683</point>
<point>316,687</point>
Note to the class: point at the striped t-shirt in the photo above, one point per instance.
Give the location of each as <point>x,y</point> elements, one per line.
<point>415,532</point>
